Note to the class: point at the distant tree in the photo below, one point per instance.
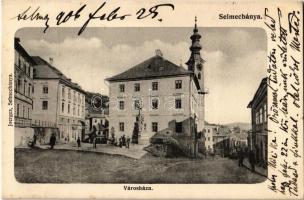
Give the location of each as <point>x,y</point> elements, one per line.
<point>236,129</point>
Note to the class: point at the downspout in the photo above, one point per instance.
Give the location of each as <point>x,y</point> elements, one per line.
<point>190,122</point>
<point>56,119</point>
<point>190,99</point>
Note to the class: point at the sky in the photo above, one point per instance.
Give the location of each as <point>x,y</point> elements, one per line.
<point>235,59</point>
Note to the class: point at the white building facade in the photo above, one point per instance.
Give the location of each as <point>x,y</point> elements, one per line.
<point>162,100</point>
<point>209,132</point>
<point>58,102</point>
<point>159,92</point>
<point>23,102</point>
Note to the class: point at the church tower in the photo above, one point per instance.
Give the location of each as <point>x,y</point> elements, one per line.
<point>196,65</point>
<point>195,62</point>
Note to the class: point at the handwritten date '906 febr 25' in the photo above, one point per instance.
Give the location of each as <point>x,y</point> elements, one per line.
<point>64,17</point>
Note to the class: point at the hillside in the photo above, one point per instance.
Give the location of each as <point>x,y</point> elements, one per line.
<point>242,125</point>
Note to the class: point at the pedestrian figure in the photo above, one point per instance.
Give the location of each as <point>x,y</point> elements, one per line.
<point>94,143</point>
<point>128,142</point>
<point>120,142</point>
<point>123,140</point>
<point>93,133</point>
<point>204,152</point>
<point>241,157</point>
<point>115,141</point>
<point>53,141</point>
<point>78,142</point>
<point>252,160</point>
<point>34,139</point>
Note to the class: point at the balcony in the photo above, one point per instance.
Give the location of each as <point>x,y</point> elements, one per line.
<point>41,123</point>
<point>22,122</point>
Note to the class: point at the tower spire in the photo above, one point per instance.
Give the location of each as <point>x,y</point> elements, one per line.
<point>195,47</point>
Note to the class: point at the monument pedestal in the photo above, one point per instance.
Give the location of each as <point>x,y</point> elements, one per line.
<point>144,139</point>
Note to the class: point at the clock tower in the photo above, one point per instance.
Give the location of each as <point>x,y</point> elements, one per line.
<point>196,65</point>
<point>195,62</point>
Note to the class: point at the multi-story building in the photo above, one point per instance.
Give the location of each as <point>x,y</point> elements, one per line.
<point>57,101</point>
<point>157,92</point>
<point>259,135</point>
<point>23,102</point>
<point>210,131</point>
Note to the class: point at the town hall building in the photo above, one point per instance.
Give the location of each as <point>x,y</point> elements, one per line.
<point>160,96</point>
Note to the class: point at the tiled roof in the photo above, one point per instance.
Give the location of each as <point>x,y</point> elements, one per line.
<point>153,67</point>
<point>258,92</point>
<point>241,136</point>
<point>44,70</point>
<point>22,51</point>
<point>223,131</point>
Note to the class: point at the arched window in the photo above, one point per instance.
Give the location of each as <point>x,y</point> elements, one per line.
<point>199,76</point>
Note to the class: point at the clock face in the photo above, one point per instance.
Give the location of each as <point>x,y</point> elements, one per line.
<point>96,102</point>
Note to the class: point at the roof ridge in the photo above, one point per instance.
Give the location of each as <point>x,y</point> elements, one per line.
<point>59,74</point>
<point>156,66</point>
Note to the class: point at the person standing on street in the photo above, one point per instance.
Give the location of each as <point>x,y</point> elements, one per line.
<point>128,142</point>
<point>94,143</point>
<point>78,142</point>
<point>241,157</point>
<point>120,142</point>
<point>123,140</point>
<point>34,139</point>
<point>52,141</point>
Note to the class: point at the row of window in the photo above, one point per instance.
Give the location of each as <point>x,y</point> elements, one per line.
<point>23,64</point>
<point>208,138</point>
<point>154,127</point>
<point>261,115</point>
<point>178,85</point>
<point>45,90</point>
<point>23,87</point>
<point>76,96</point>
<point>63,120</point>
<point>154,104</point>
<point>23,111</point>
<point>74,109</point>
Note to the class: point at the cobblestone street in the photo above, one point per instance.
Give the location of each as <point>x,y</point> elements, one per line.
<point>135,151</point>
<point>66,166</point>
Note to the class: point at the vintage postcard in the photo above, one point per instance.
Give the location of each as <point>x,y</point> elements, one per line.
<point>152,99</point>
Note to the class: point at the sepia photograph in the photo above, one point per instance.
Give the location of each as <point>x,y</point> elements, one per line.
<point>140,105</point>
<point>152,99</point>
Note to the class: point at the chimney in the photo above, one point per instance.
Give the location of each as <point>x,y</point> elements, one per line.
<point>158,53</point>
<point>51,60</point>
